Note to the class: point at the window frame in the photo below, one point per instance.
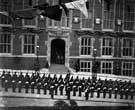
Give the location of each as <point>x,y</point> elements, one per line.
<point>35,49</point>
<point>92,18</point>
<point>113,20</point>
<point>59,23</point>
<point>33,20</point>
<point>111,62</point>
<point>106,47</point>
<point>91,46</point>
<point>126,47</point>
<point>124,30</point>
<point>87,68</point>
<point>132,68</point>
<point>11,44</point>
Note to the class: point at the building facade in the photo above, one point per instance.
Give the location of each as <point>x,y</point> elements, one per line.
<point>109,28</point>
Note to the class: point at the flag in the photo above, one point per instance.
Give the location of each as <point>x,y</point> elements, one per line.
<point>80,5</point>
<point>65,9</point>
<point>24,14</point>
<point>53,12</point>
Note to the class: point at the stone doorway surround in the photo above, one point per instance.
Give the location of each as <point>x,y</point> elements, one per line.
<point>64,36</point>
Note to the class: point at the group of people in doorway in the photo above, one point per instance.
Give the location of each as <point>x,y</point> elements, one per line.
<point>58,58</point>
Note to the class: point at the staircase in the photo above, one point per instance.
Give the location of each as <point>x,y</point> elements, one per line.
<point>58,69</point>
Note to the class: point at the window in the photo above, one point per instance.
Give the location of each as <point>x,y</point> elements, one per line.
<point>85,66</point>
<point>32,22</point>
<point>4,20</point>
<point>29,44</point>
<point>107,67</point>
<point>5,43</point>
<point>87,22</point>
<point>107,46</point>
<point>108,15</point>
<point>5,5</point>
<point>65,19</point>
<point>127,47</point>
<point>129,15</point>
<point>86,46</point>
<point>127,68</point>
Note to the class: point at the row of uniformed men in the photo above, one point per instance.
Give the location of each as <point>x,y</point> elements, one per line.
<point>68,83</point>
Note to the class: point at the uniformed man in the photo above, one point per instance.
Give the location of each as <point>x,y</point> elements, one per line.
<point>38,87</point>
<point>80,88</point>
<point>3,78</point>
<point>13,86</point>
<point>61,87</point>
<point>6,85</point>
<point>92,91</point>
<point>45,88</point>
<point>32,87</point>
<point>121,93</point>
<point>68,90</point>
<point>19,86</point>
<point>56,88</point>
<point>110,92</point>
<point>132,92</point>
<point>27,78</point>
<point>104,91</point>
<point>115,92</point>
<point>126,93</point>
<point>26,87</point>
<point>98,91</point>
<point>74,90</point>
<point>15,77</point>
<point>21,77</point>
<point>87,94</point>
<point>52,91</point>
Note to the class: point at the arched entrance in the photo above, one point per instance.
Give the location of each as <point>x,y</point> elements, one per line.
<point>58,51</point>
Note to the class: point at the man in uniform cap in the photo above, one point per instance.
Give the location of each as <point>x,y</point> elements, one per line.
<point>104,90</point>
<point>19,86</point>
<point>61,87</point>
<point>38,87</point>
<point>52,91</point>
<point>98,91</point>
<point>21,77</point>
<point>6,83</point>
<point>87,94</point>
<point>32,87</point>
<point>13,85</point>
<point>45,88</point>
<point>74,90</point>
<point>126,93</point>
<point>68,92</point>
<point>115,92</point>
<point>110,92</point>
<point>121,93</point>
<point>92,91</point>
<point>3,78</point>
<point>80,89</point>
<point>132,92</point>
<point>26,87</point>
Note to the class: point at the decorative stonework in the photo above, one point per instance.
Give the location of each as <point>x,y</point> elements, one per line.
<point>103,33</point>
<point>64,36</point>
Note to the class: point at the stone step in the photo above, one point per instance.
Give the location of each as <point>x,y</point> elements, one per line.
<point>57,68</point>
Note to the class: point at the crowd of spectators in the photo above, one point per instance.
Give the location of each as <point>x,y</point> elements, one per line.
<point>67,85</point>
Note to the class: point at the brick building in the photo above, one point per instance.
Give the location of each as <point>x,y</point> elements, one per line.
<point>110,29</point>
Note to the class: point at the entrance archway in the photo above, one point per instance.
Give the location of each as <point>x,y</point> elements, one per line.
<point>58,51</point>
